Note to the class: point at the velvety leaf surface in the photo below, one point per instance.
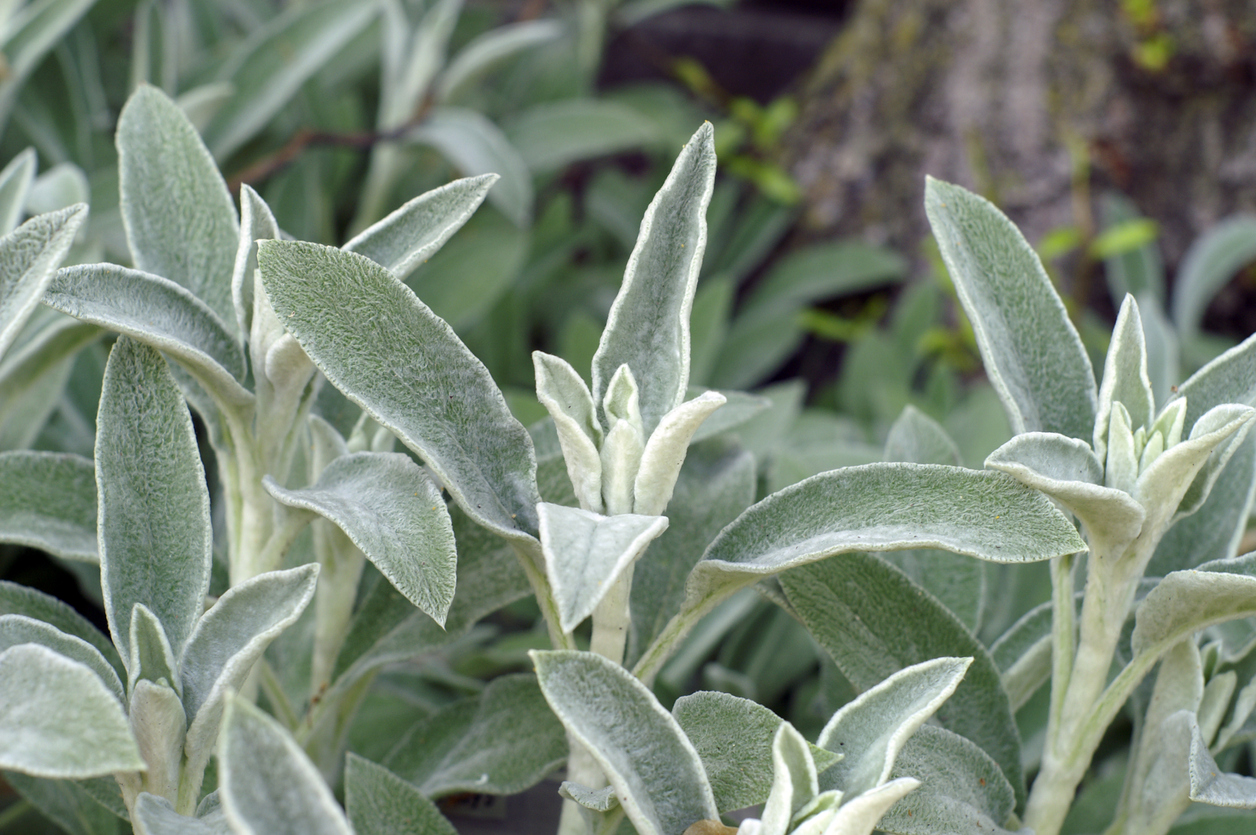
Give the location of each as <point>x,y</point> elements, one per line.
<point>1229,378</point>
<point>917,438</point>
<point>15,182</point>
<point>266,783</point>
<point>29,256</point>
<point>1125,378</point>
<point>155,536</point>
<point>501,742</point>
<point>1032,353</point>
<point>158,817</point>
<point>655,770</point>
<point>58,719</point>
<point>20,629</point>
<point>379,802</point>
<point>854,606</point>
<point>393,511</point>
<point>170,186</point>
<point>648,326</point>
<point>383,347</point>
<point>16,599</point>
<point>257,223</point>
<point>407,237</point>
<point>34,377</point>
<point>1186,601</point>
<point>1210,785</point>
<point>48,501</point>
<point>67,803</point>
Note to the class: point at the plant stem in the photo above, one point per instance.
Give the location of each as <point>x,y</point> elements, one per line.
<point>612,618</point>
<point>342,564</point>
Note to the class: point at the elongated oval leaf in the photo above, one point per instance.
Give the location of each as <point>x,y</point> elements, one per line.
<point>1211,261</point>
<point>158,817</point>
<point>1229,378</point>
<point>20,629</point>
<point>392,356</point>
<point>228,640</point>
<point>379,802</point>
<point>1210,785</point>
<point>390,508</point>
<point>885,507</point>
<point>488,51</point>
<point>179,218</point>
<point>29,256</point>
<point>48,501</point>
<point>853,606</point>
<point>15,182</point>
<point>919,439</point>
<point>257,223</point>
<point>554,134</point>
<point>648,326</point>
<point>585,553</point>
<point>34,378</point>
<point>1187,601</point>
<point>408,237</point>
<point>159,313</point>
<point>266,783</point>
<point>1125,378</point>
<point>656,772</point>
<point>23,600</point>
<point>501,742</point>
<point>1032,353</point>
<point>268,71</point>
<point>153,511</point>
<point>59,720</point>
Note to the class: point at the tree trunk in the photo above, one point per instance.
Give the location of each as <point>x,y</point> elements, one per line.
<point>1037,104</point>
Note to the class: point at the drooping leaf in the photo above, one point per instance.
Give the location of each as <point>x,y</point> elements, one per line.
<point>20,629</point>
<point>1032,353</point>
<point>268,70</point>
<point>179,217</point>
<point>585,554</point>
<point>1210,785</point>
<point>883,507</point>
<point>648,326</point>
<point>380,345</point>
<point>501,742</point>
<point>408,237</point>
<point>554,134</point>
<point>48,501</point>
<point>159,313</point>
<point>1186,601</point>
<point>22,600</point>
<point>228,640</point>
<point>657,773</point>
<point>59,720</point>
<point>29,257</point>
<point>155,535</point>
<point>390,508</point>
<point>266,783</point>
<point>492,49</point>
<point>853,606</point>
<point>1212,260</point>
<point>379,802</point>
<point>733,737</point>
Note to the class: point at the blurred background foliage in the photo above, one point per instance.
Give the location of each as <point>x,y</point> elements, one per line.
<point>338,111</point>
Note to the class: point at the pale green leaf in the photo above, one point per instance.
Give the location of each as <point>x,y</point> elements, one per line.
<point>1137,270</point>
<point>15,182</point>
<point>151,657</point>
<point>500,742</point>
<point>961,788</point>
<point>733,737</point>
<point>793,780</point>
<point>585,553</point>
<point>1032,353</point>
<point>228,640</point>
<point>871,730</point>
<point>665,451</point>
<point>555,134</point>
<point>266,783</point>
<point>862,814</point>
<point>1208,783</point>
<point>655,770</point>
<point>1186,601</point>
<point>159,313</point>
<point>179,217</point>
<point>492,49</point>
<point>35,376</point>
<point>1211,261</point>
<point>883,507</point>
<point>648,326</point>
<point>29,35</point>
<point>477,147</point>
<point>853,606</point>
<point>23,600</point>
<point>597,800</point>
<point>1023,654</point>
<point>1229,378</point>
<point>58,719</point>
<point>158,817</point>
<point>384,348</point>
<point>390,508</point>
<point>916,438</point>
<point>738,409</point>
<point>408,237</point>
<point>153,512</point>
<point>257,223</point>
<point>29,257</point>
<point>60,186</point>
<point>48,501</point>
<point>1125,378</point>
<point>68,803</point>
<point>564,395</point>
<point>203,102</point>
<point>20,629</point>
<point>159,725</point>
<point>1164,364</point>
<point>269,69</point>
<point>379,802</point>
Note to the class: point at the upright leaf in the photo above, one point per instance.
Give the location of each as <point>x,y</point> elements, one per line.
<point>648,326</point>
<point>265,781</point>
<point>390,508</point>
<point>257,223</point>
<point>1032,353</point>
<point>379,802</point>
<point>179,218</point>
<point>59,720</point>
<point>29,256</point>
<point>392,356</point>
<point>854,608</point>
<point>29,36</point>
<point>48,501</point>
<point>153,512</point>
<point>15,182</point>
<point>657,774</point>
<point>1212,260</point>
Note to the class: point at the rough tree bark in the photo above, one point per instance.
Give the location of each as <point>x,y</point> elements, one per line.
<point>1008,96</point>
